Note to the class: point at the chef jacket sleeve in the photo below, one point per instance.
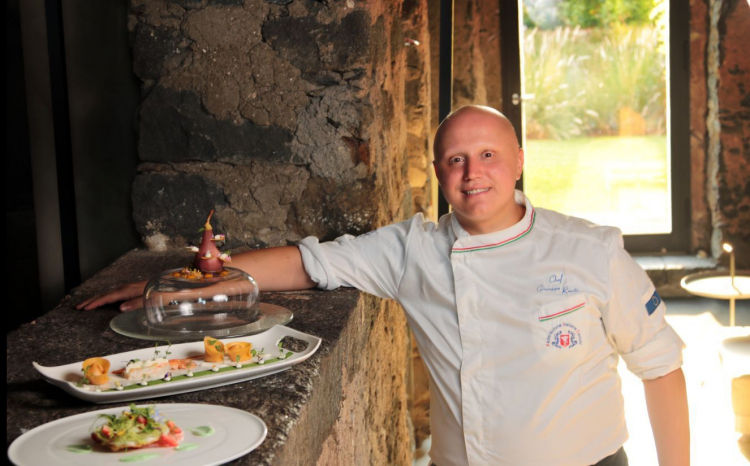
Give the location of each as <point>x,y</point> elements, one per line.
<point>372,262</point>
<point>634,318</point>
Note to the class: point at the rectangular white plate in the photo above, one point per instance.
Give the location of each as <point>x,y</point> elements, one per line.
<point>68,376</point>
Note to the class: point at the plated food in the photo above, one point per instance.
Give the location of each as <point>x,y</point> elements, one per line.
<point>210,435</point>
<point>136,428</point>
<point>142,372</point>
<point>171,369</point>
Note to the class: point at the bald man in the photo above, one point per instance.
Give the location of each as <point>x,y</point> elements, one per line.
<point>520,314</point>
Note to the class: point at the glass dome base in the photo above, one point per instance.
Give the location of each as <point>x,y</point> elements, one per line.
<point>175,300</point>
<point>134,324</point>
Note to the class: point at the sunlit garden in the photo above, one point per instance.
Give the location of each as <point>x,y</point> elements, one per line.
<point>595,107</point>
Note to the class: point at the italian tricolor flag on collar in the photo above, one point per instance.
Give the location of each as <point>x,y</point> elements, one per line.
<point>501,243</point>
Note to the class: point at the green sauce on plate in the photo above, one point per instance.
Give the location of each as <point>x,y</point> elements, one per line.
<point>139,457</point>
<point>187,447</point>
<point>79,448</point>
<point>203,431</point>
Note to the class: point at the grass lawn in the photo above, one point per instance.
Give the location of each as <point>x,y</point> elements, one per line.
<point>619,181</point>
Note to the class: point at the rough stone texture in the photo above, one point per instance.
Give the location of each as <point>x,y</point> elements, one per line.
<point>289,118</point>
<point>168,205</point>
<point>174,200</point>
<point>420,110</point>
<point>433,25</point>
<point>468,60</point>
<point>734,120</point>
<point>367,425</point>
<point>295,111</point>
<point>713,126</point>
<point>306,408</point>
<point>418,106</point>
<point>175,128</point>
<point>720,122</point>
<point>700,216</point>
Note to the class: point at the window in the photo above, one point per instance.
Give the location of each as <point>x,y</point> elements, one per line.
<point>599,91</point>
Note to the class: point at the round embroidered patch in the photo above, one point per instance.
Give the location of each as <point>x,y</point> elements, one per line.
<point>564,336</point>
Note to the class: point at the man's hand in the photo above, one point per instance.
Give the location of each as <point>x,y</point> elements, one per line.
<point>131,293</point>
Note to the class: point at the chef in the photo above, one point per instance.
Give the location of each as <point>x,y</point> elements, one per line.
<point>520,313</point>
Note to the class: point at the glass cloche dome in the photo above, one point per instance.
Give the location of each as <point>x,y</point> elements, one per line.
<point>187,300</point>
<point>205,297</point>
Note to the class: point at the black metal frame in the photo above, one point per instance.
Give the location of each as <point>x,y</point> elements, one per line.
<point>445,77</point>
<point>679,139</point>
<point>63,144</point>
<point>510,52</point>
<point>679,64</point>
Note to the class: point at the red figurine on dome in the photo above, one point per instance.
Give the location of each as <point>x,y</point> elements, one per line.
<point>208,259</point>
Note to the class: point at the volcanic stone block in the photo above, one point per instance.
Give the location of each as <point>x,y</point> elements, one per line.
<point>312,46</point>
<point>327,209</point>
<point>174,128</point>
<point>152,46</point>
<point>173,206</point>
<point>187,4</point>
<point>225,2</point>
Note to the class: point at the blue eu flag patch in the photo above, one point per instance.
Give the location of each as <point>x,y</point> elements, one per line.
<point>653,303</point>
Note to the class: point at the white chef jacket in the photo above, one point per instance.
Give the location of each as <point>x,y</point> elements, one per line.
<point>520,330</point>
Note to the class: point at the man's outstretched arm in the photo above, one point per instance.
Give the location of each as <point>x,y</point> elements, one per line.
<point>274,269</point>
<point>666,399</point>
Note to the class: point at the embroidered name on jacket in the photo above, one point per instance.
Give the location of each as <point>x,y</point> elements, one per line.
<point>564,336</point>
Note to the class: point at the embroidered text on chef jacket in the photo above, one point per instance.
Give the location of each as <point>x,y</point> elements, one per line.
<point>520,330</point>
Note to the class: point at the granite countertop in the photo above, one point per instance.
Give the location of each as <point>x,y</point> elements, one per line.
<point>65,335</point>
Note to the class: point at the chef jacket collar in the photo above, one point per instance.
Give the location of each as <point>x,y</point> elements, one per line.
<point>465,242</point>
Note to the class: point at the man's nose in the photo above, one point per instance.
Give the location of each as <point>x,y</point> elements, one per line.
<point>472,169</point>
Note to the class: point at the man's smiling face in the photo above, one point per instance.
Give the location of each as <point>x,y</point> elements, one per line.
<point>477,161</point>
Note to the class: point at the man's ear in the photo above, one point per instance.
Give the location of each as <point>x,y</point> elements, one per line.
<point>437,175</point>
<point>520,164</point>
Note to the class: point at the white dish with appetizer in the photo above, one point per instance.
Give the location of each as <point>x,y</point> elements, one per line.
<point>186,367</point>
<point>184,434</point>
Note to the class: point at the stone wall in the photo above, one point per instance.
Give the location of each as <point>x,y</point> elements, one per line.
<point>291,118</point>
<point>372,424</point>
<point>287,117</point>
<point>720,125</point>
<point>419,105</point>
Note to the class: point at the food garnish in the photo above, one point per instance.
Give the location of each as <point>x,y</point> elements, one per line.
<point>136,428</point>
<point>190,273</point>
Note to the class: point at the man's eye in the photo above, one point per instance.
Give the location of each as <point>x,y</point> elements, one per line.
<point>455,159</point>
<point>487,154</point>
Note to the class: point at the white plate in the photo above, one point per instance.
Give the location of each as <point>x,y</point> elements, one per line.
<point>68,376</point>
<point>236,433</point>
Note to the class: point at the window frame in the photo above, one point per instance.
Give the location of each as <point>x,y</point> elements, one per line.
<point>678,241</point>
